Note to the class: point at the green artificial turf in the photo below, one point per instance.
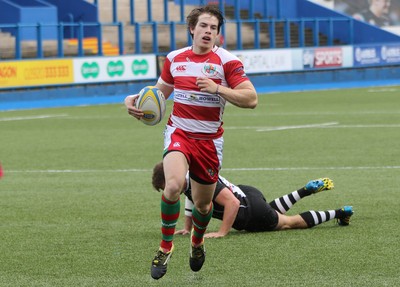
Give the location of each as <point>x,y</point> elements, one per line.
<point>77,207</point>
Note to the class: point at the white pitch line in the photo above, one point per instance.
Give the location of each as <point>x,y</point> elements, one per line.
<point>318,113</point>
<point>296,127</point>
<point>325,125</point>
<point>78,170</point>
<point>31,117</point>
<point>223,170</point>
<point>311,168</point>
<point>382,90</point>
<point>367,126</point>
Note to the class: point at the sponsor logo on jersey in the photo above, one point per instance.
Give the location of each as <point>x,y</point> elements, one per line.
<point>239,70</point>
<point>206,99</point>
<point>181,68</point>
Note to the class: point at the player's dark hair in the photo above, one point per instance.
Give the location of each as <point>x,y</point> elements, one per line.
<point>193,16</point>
<point>158,179</point>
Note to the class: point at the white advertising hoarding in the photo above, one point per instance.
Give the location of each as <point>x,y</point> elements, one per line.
<point>265,61</point>
<point>297,59</point>
<point>109,69</point>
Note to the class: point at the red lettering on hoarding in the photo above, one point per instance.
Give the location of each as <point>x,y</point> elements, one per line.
<point>8,72</point>
<point>328,57</point>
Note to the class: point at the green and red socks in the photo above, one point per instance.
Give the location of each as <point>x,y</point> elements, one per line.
<point>169,217</point>
<point>200,223</point>
<point>170,211</point>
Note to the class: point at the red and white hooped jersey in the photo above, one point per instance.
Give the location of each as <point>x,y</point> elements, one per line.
<point>200,113</point>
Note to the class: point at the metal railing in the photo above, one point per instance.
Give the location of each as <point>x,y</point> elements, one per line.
<point>161,37</point>
<point>14,49</point>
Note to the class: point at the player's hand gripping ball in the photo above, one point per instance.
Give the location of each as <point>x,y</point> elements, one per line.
<point>152,102</point>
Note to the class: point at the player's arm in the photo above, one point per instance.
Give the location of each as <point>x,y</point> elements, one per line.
<point>231,206</point>
<point>130,106</point>
<point>165,89</point>
<point>244,95</point>
<point>187,228</point>
<point>131,99</point>
<point>188,218</point>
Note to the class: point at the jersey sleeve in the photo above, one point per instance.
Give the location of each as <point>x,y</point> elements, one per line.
<point>234,73</point>
<point>166,76</point>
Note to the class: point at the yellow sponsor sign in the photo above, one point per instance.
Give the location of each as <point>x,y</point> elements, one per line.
<point>36,73</point>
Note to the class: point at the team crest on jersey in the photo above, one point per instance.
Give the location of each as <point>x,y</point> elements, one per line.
<point>211,172</point>
<point>209,70</point>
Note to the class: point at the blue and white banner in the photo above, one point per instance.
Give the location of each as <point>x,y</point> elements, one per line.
<point>373,55</point>
<point>390,54</point>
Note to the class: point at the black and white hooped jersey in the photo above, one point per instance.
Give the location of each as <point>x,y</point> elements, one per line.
<point>244,209</point>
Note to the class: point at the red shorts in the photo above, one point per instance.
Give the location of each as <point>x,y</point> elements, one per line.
<point>204,156</point>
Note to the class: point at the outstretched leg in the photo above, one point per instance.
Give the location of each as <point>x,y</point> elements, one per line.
<point>175,169</point>
<point>312,218</point>
<point>202,211</point>
<point>284,203</point>
<point>197,249</point>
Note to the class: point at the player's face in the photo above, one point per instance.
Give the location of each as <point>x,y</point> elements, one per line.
<point>382,5</point>
<point>205,33</point>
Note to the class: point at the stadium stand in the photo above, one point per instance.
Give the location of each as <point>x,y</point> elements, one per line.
<point>81,30</point>
<point>157,26</point>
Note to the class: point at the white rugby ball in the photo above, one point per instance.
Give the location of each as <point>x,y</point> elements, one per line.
<point>152,102</point>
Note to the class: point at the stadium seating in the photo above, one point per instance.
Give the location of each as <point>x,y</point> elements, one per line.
<point>150,29</point>
<point>157,26</point>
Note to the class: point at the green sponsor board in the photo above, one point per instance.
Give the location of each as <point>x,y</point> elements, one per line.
<point>115,68</point>
<point>140,67</point>
<point>90,70</point>
<point>109,69</point>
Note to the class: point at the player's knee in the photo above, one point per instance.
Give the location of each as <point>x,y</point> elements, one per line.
<point>284,227</point>
<point>203,208</point>
<point>283,222</point>
<point>173,188</point>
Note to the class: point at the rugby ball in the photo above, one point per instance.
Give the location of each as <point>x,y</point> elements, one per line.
<point>152,102</point>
